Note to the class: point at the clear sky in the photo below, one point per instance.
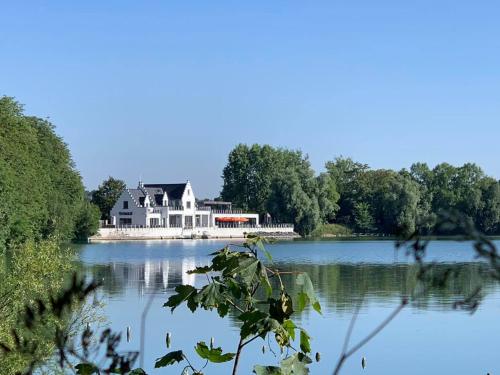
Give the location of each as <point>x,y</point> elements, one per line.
<point>165,89</point>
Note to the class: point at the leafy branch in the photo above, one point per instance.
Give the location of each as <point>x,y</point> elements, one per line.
<point>239,283</point>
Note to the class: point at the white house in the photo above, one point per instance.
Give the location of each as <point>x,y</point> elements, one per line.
<point>174,206</point>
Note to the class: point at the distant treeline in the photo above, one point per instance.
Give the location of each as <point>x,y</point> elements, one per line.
<point>282,183</point>
<point>41,192</point>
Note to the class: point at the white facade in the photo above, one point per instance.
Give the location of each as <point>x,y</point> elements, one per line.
<point>172,206</point>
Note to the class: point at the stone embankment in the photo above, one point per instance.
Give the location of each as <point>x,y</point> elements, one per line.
<point>160,233</point>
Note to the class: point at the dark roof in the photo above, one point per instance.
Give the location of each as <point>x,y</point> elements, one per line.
<point>156,194</point>
<point>174,191</point>
<point>137,196</point>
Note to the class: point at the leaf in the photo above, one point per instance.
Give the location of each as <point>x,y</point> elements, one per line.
<point>307,290</point>
<point>267,370</point>
<point>247,269</point>
<point>261,247</point>
<point>281,309</point>
<point>295,365</point>
<point>265,281</point>
<point>290,326</point>
<point>184,293</point>
<point>253,322</point>
<point>169,359</point>
<point>137,371</point>
<point>212,354</point>
<point>305,344</point>
<point>211,296</point>
<point>203,269</point>
<point>86,369</point>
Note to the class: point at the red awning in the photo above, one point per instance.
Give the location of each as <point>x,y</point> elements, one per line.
<point>232,219</point>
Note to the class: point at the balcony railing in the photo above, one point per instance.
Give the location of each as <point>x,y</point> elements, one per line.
<point>176,208</point>
<point>232,211</point>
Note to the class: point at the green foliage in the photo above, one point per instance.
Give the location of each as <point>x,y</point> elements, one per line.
<point>392,202</point>
<point>87,222</point>
<point>107,194</point>
<point>213,354</point>
<point>239,283</point>
<point>31,274</point>
<point>41,192</point>
<point>169,359</point>
<point>293,365</point>
<point>86,369</point>
<point>331,230</point>
<point>280,182</point>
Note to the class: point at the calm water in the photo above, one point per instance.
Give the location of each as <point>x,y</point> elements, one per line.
<point>428,337</point>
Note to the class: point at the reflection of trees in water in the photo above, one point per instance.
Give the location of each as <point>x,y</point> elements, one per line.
<point>338,285</point>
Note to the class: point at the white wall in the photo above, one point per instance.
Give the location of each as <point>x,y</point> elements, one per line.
<point>138,213</point>
<point>164,233</point>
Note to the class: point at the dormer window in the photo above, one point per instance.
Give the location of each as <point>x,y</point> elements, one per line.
<point>125,205</point>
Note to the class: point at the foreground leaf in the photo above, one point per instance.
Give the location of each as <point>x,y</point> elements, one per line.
<point>169,359</point>
<point>184,293</point>
<point>267,370</point>
<point>212,354</point>
<point>86,369</point>
<point>306,293</point>
<point>295,365</point>
<point>305,344</point>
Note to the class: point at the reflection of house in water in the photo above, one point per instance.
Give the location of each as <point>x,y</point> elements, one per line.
<point>160,275</point>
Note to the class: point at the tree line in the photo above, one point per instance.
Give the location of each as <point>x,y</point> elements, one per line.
<point>281,182</point>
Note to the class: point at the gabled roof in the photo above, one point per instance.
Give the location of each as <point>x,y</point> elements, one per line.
<point>156,194</point>
<point>174,191</point>
<point>137,195</point>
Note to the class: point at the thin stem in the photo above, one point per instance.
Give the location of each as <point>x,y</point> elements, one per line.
<point>237,357</point>
<point>351,326</point>
<point>249,341</point>
<point>355,348</point>
<point>143,326</point>
<point>235,305</point>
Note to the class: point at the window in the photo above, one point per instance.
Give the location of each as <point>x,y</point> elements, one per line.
<point>188,221</point>
<point>125,205</point>
<point>189,191</point>
<point>204,220</point>
<point>125,221</point>
<point>188,204</point>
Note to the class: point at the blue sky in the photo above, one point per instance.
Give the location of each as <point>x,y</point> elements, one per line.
<point>165,89</point>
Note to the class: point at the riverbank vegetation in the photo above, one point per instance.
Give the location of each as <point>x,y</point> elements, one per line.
<point>281,182</point>
<point>42,206</point>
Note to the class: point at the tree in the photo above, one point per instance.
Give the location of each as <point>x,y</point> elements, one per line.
<point>328,197</point>
<point>87,222</point>
<point>41,191</point>
<point>107,194</point>
<point>291,204</point>
<point>363,218</point>
<point>281,182</point>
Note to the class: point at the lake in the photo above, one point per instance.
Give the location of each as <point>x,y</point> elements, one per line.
<point>429,336</point>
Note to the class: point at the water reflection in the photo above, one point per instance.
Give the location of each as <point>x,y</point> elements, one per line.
<point>339,285</point>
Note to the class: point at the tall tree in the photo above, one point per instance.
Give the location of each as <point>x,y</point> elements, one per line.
<point>41,192</point>
<point>107,194</point>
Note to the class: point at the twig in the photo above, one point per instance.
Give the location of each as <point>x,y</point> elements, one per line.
<point>143,326</point>
<point>355,348</point>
